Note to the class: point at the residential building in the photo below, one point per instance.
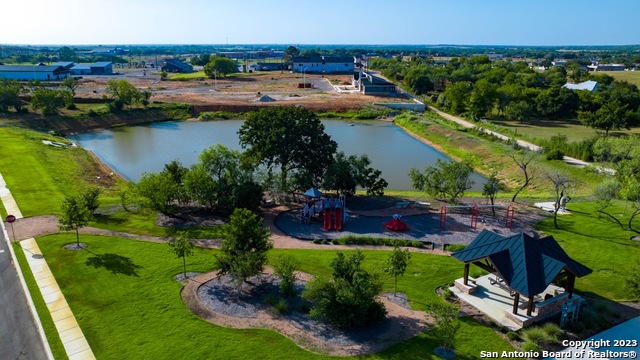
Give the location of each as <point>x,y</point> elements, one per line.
<point>28,73</point>
<point>307,64</point>
<point>370,84</point>
<point>324,64</point>
<point>176,66</point>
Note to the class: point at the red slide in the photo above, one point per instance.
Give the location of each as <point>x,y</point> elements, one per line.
<point>327,218</point>
<point>338,220</point>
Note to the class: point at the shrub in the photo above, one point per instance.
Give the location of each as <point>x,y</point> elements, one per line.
<point>335,241</point>
<point>456,247</point>
<point>348,298</point>
<point>513,335</point>
<point>446,293</point>
<point>316,241</point>
<point>325,242</point>
<point>553,154</point>
<point>535,335</point>
<point>284,267</point>
<point>529,346</point>
<point>552,331</point>
<point>281,307</point>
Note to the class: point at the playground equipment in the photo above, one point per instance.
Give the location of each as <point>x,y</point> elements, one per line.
<point>475,213</point>
<point>396,224</point>
<point>334,213</point>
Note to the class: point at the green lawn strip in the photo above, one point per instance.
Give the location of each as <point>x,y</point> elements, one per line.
<point>630,76</point>
<point>57,349</point>
<point>39,175</point>
<point>189,76</point>
<point>128,305</point>
<point>599,243</point>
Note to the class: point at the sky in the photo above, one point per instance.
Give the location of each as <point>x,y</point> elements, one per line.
<point>369,22</point>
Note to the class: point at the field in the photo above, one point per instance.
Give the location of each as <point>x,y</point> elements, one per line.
<point>545,129</point>
<point>630,76</point>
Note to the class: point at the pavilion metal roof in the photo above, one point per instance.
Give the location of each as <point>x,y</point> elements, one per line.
<point>527,265</point>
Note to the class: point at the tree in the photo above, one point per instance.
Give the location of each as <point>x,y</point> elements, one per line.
<point>561,182</point>
<point>396,264</point>
<point>346,173</point>
<point>446,321</point>
<point>220,66</point>
<point>611,116</point>
<point>491,189</point>
<point>448,179</point>
<point>200,186</point>
<point>244,247</point>
<point>290,53</point>
<point>160,192</point>
<point>67,54</point>
<point>48,101</point>
<point>284,267</point>
<point>163,75</point>
<point>75,215</point>
<point>291,138</point>
<point>10,95</point>
<point>90,197</point>
<point>348,298</point>
<point>182,247</point>
<point>524,160</point>
<point>122,94</point>
<point>71,84</point>
<point>456,97</point>
<point>482,98</point>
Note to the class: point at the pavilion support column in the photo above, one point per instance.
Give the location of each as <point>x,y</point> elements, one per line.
<point>466,274</point>
<point>571,281</point>
<point>530,306</point>
<point>516,300</point>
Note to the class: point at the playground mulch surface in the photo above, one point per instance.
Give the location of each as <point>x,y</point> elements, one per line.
<point>423,225</point>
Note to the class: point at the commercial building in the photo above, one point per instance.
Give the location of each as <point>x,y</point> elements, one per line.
<point>35,72</point>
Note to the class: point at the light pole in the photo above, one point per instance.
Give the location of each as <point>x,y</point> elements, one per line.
<point>304,82</point>
<point>215,79</point>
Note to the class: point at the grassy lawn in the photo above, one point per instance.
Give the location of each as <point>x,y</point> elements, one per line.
<point>487,155</point>
<point>599,243</point>
<point>128,305</point>
<point>534,130</point>
<point>188,76</point>
<point>38,175</point>
<point>630,76</point>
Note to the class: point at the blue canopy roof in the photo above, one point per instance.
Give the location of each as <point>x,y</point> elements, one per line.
<point>313,192</point>
<point>527,265</point>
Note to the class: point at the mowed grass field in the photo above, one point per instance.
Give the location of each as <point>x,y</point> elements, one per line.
<point>630,76</point>
<point>129,307</point>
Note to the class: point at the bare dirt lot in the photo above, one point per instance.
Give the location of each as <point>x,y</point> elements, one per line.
<point>243,92</point>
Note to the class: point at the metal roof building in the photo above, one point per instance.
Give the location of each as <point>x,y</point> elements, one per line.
<point>36,72</point>
<point>589,85</point>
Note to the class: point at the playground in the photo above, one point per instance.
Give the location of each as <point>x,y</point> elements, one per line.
<point>376,217</point>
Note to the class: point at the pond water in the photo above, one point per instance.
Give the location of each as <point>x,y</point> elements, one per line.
<point>134,150</point>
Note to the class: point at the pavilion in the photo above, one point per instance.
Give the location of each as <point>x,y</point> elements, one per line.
<point>522,266</point>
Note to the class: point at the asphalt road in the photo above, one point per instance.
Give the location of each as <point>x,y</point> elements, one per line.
<point>19,338</point>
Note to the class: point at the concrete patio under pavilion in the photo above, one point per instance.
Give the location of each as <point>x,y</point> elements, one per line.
<point>494,300</point>
<point>519,265</point>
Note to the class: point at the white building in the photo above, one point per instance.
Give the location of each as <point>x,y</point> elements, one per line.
<point>35,72</point>
<point>589,85</point>
<point>323,64</point>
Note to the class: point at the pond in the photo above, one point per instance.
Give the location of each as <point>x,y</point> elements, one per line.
<point>134,150</point>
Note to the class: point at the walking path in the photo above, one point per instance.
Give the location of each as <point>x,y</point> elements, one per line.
<point>525,144</point>
<point>73,340</point>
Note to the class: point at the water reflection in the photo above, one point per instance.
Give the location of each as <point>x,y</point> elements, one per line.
<point>134,150</point>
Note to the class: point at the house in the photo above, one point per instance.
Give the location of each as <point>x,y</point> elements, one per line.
<point>519,266</point>
<point>28,73</point>
<point>589,85</point>
<point>176,66</point>
<point>338,64</point>
<point>606,67</point>
<point>307,64</point>
<point>323,64</point>
<point>99,68</point>
<point>370,84</point>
